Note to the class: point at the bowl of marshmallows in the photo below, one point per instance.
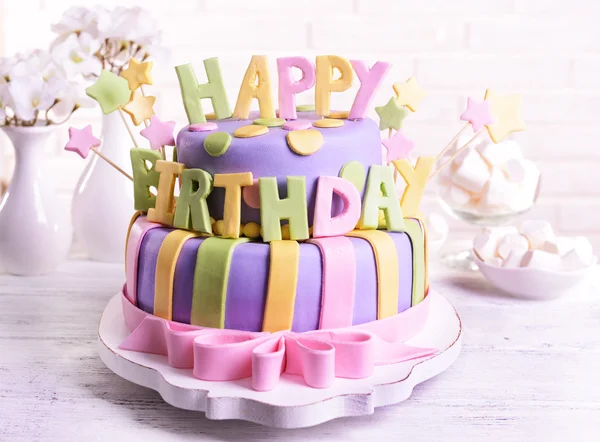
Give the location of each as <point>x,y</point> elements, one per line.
<point>487,183</point>
<point>531,261</point>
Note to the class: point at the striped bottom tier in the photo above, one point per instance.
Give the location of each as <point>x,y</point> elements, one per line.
<point>285,285</point>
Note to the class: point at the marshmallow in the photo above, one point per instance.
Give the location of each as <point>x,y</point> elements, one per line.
<point>514,259</point>
<point>461,158</point>
<point>584,248</point>
<point>473,173</point>
<point>498,191</point>
<point>538,259</point>
<point>515,170</point>
<point>559,246</point>
<point>494,261</point>
<point>459,196</point>
<point>537,232</point>
<point>512,243</point>
<point>437,227</point>
<point>485,244</point>
<point>528,187</point>
<point>575,260</point>
<point>499,154</point>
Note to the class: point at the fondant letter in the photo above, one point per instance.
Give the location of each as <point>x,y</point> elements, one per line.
<point>380,194</point>
<point>163,211</point>
<point>416,179</point>
<point>192,92</point>
<point>288,87</point>
<point>323,223</point>
<point>255,88</point>
<point>293,208</point>
<point>370,79</point>
<point>144,177</point>
<point>191,211</point>
<point>233,183</point>
<point>325,84</point>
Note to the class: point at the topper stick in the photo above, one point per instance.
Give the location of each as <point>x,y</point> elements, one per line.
<point>105,158</point>
<point>143,95</point>
<point>449,160</point>
<point>128,128</point>
<point>451,143</point>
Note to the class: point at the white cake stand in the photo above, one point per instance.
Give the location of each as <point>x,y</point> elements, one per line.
<point>291,404</point>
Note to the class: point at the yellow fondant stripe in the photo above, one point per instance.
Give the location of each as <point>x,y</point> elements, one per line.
<point>417,238</point>
<point>165,271</point>
<point>134,218</point>
<point>283,279</point>
<point>388,277</point>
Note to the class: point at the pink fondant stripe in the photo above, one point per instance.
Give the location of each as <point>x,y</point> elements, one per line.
<point>136,235</point>
<point>339,280</point>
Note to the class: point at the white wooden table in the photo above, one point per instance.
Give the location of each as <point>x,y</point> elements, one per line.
<point>529,371</point>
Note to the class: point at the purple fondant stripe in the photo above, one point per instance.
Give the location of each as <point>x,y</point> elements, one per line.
<point>147,267</point>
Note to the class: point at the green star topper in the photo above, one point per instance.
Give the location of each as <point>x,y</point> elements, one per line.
<point>391,115</point>
<point>110,91</point>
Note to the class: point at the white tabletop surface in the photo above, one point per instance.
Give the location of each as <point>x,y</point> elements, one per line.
<point>529,371</point>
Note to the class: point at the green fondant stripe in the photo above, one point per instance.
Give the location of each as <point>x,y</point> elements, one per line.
<point>210,281</point>
<point>417,239</point>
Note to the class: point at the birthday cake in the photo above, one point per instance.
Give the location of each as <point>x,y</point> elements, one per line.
<point>275,241</point>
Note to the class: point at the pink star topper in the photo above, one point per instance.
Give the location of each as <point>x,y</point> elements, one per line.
<point>81,141</point>
<point>159,133</point>
<point>478,113</point>
<point>398,146</point>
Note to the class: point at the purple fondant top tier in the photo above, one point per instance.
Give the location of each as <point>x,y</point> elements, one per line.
<point>268,155</point>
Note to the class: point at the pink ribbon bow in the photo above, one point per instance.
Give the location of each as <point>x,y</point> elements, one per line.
<point>318,356</point>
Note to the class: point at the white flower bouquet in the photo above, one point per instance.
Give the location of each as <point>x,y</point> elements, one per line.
<point>34,90</point>
<point>90,40</point>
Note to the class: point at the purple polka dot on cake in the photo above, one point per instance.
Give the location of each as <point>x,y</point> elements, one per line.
<point>297,125</point>
<point>202,127</point>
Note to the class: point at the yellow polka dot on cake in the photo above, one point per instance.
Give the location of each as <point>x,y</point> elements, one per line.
<point>305,107</point>
<point>270,122</point>
<point>328,123</point>
<point>252,130</point>
<point>305,142</point>
<point>339,114</point>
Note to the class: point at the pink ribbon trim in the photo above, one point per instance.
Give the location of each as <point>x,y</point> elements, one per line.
<point>318,356</point>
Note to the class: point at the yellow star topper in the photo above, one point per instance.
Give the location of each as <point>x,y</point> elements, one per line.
<point>409,94</point>
<point>506,110</point>
<point>140,108</point>
<point>137,73</point>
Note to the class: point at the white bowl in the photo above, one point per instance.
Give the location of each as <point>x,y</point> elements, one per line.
<point>534,283</point>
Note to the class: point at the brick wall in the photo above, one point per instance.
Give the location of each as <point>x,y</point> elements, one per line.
<point>549,50</point>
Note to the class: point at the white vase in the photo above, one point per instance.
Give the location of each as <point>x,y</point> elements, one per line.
<point>35,233</point>
<point>103,199</point>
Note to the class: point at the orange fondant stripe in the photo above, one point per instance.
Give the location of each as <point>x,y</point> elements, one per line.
<point>388,277</point>
<point>165,272</point>
<point>134,218</point>
<point>283,280</point>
